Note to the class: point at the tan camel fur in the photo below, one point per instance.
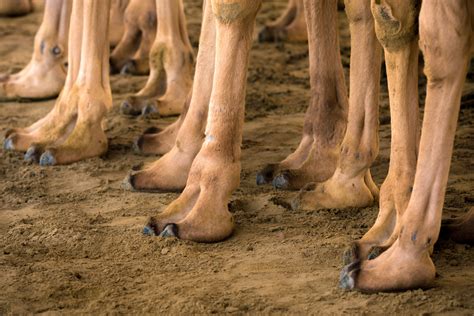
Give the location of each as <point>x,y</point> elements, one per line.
<point>117,21</point>
<point>139,31</point>
<point>290,26</point>
<point>15,7</point>
<point>200,213</point>
<point>409,221</point>
<point>72,131</point>
<point>45,74</point>
<point>171,76</point>
<point>171,64</point>
<point>205,158</point>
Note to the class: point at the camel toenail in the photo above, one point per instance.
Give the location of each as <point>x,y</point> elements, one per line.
<point>149,109</point>
<point>8,144</point>
<point>129,182</point>
<point>31,154</point>
<point>170,230</point>
<point>148,231</point>
<point>280,182</point>
<point>47,159</point>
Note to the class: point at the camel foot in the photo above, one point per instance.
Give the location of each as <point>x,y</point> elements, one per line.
<point>266,175</point>
<point>138,106</point>
<point>167,174</point>
<point>337,192</point>
<point>397,269</point>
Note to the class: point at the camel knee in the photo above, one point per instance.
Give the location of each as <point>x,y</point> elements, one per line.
<point>445,39</point>
<point>358,11</point>
<point>232,11</point>
<point>395,22</point>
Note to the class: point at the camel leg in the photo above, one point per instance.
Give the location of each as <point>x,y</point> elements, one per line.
<point>15,7</point>
<point>72,130</point>
<point>45,74</point>
<point>131,53</point>
<point>351,184</point>
<point>171,62</point>
<point>290,26</point>
<point>461,229</point>
<point>446,38</point>
<point>201,212</point>
<point>170,172</point>
<point>401,58</point>
<point>116,21</point>
<point>316,157</point>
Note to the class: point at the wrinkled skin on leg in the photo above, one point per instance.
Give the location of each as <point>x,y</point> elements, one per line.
<point>131,53</point>
<point>170,172</point>
<point>15,7</point>
<point>201,212</point>
<point>72,131</point>
<point>171,63</point>
<point>290,26</point>
<point>116,21</point>
<point>446,40</point>
<point>316,157</point>
<point>45,74</point>
<point>401,56</point>
<point>351,184</point>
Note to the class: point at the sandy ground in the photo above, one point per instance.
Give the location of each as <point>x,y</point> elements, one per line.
<point>71,242</point>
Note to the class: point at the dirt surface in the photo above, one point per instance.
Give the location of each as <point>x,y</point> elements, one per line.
<point>70,237</point>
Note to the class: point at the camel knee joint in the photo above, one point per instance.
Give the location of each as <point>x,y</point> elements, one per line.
<point>358,11</point>
<point>396,24</point>
<point>230,11</point>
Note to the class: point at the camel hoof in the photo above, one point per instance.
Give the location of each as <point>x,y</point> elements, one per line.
<point>348,275</point>
<point>170,230</point>
<point>128,183</point>
<point>351,254</point>
<point>127,109</point>
<point>32,154</point>
<point>265,175</point>
<point>261,179</point>
<point>295,204</point>
<point>47,159</point>
<point>128,68</point>
<point>8,144</point>
<point>148,231</point>
<point>137,145</point>
<point>149,109</point>
<point>281,182</point>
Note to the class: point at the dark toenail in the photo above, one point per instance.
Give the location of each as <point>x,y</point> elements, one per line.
<point>260,179</point>
<point>346,277</point>
<point>346,281</point>
<point>32,154</point>
<point>8,144</point>
<point>351,254</point>
<point>152,130</point>
<point>137,145</point>
<point>170,230</point>
<point>280,182</point>
<point>295,204</point>
<point>265,175</point>
<point>148,231</point>
<point>129,182</point>
<point>148,109</point>
<point>47,159</point>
